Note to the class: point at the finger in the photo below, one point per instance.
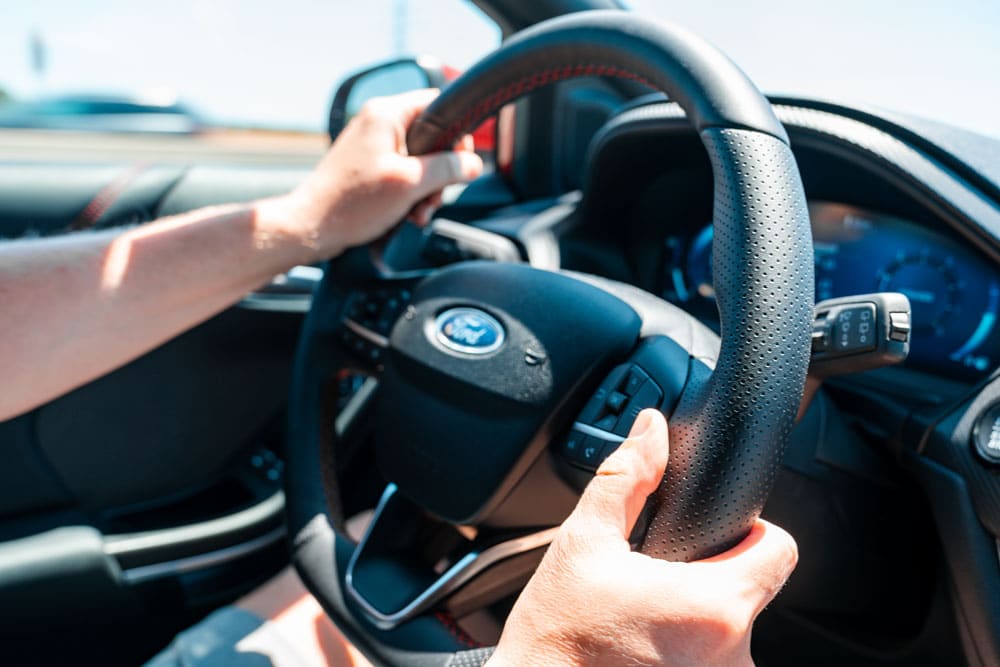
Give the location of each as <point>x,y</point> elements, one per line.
<point>436,200</point>
<point>424,211</point>
<point>407,106</point>
<point>766,558</point>
<point>616,495</point>
<point>440,169</point>
<point>467,143</point>
<point>420,215</point>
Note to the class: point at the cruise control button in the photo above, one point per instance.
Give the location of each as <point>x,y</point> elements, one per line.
<point>616,401</point>
<point>648,396</point>
<point>634,380</point>
<point>594,406</point>
<point>606,423</point>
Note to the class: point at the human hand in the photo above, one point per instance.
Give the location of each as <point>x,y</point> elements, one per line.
<point>367,183</point>
<point>594,601</point>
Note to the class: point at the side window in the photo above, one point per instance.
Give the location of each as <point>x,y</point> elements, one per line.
<point>235,76</point>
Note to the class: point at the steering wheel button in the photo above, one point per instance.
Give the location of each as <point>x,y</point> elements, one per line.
<point>616,401</point>
<point>573,445</point>
<point>594,406</point>
<point>648,396</point>
<point>634,380</point>
<point>606,423</point>
<point>590,452</point>
<point>625,421</point>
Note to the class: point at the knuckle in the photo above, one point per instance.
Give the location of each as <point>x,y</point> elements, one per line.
<point>574,537</point>
<point>792,555</point>
<point>395,175</point>
<point>616,464</point>
<point>785,559</point>
<point>624,461</point>
<point>726,627</point>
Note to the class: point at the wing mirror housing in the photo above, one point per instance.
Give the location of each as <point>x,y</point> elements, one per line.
<point>387,78</point>
<point>391,78</point>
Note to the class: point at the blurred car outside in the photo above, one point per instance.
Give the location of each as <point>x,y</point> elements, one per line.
<point>101,113</point>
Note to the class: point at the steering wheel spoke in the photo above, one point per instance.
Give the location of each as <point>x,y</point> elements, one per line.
<point>369,315</point>
<point>653,377</point>
<point>409,563</point>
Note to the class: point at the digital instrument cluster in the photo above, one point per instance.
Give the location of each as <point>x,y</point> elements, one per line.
<point>954,293</point>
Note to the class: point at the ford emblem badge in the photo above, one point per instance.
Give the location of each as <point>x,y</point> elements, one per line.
<point>468,330</point>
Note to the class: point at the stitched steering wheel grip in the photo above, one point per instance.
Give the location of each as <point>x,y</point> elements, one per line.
<point>730,428</point>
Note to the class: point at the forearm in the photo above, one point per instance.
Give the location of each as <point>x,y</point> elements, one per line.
<point>74,307</point>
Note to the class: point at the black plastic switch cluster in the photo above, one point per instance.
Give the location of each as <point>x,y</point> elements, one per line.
<point>609,415</point>
<point>846,330</point>
<point>858,333</point>
<point>587,450</point>
<point>368,320</point>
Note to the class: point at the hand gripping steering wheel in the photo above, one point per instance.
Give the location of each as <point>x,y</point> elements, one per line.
<point>500,385</point>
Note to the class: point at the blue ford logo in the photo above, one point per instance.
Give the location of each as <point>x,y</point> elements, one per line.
<point>468,330</point>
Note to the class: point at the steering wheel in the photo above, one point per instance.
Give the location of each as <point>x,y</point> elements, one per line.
<point>496,389</point>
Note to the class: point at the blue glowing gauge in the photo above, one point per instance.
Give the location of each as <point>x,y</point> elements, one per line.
<point>953,290</point>
<point>929,282</point>
<point>969,354</point>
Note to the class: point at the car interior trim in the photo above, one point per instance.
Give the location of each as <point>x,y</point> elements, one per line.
<point>366,333</point>
<point>971,212</point>
<point>151,547</point>
<point>596,432</point>
<point>289,292</point>
<point>457,575</point>
<point>212,558</point>
<point>354,406</point>
<point>276,303</point>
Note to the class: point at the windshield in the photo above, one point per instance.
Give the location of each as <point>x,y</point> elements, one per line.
<point>939,60</point>
<point>268,65</point>
<point>225,63</point>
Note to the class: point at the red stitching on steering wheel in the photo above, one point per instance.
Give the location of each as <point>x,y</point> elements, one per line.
<point>449,622</point>
<point>524,85</point>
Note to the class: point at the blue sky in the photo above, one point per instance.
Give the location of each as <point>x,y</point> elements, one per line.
<point>276,63</point>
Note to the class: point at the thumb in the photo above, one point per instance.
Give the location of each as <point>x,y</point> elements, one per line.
<point>437,170</point>
<point>616,495</point>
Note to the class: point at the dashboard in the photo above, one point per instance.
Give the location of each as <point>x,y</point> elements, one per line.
<point>954,293</point>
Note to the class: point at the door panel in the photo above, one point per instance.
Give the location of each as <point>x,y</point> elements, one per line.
<point>133,505</point>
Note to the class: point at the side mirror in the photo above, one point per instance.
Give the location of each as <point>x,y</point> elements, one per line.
<point>390,78</point>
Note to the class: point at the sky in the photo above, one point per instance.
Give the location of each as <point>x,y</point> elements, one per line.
<point>259,62</point>
<point>277,63</point>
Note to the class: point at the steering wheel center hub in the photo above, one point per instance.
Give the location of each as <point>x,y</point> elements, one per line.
<point>486,357</point>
